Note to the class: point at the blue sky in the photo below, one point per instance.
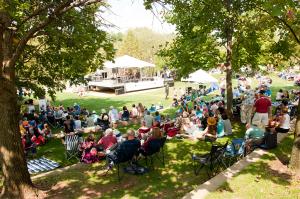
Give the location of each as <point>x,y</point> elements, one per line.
<point>126,14</point>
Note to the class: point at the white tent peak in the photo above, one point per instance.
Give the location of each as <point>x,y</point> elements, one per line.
<point>200,76</point>
<point>126,61</point>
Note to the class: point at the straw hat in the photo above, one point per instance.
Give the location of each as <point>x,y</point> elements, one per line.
<point>211,121</point>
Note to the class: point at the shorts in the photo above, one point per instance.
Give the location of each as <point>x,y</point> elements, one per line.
<point>261,118</point>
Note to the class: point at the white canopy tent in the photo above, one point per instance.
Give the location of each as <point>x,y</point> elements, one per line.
<point>201,77</point>
<point>127,62</point>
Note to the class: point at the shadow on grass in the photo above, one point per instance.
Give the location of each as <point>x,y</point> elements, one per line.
<point>258,175</point>
<point>173,180</point>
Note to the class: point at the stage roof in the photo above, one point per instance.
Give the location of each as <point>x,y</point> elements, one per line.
<point>201,77</point>
<point>127,62</point>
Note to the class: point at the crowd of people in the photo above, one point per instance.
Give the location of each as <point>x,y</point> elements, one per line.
<point>195,119</point>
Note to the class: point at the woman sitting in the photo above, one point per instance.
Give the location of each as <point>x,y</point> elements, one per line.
<point>227,124</point>
<point>108,141</point>
<point>125,114</point>
<point>134,112</point>
<point>103,120</point>
<point>210,132</point>
<point>283,122</point>
<point>156,134</point>
<point>143,131</point>
<point>46,131</point>
<point>90,152</point>
<point>28,145</point>
<point>141,110</point>
<point>36,138</point>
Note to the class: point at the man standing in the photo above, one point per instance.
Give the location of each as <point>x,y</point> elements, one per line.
<point>247,104</point>
<point>167,90</point>
<point>262,110</point>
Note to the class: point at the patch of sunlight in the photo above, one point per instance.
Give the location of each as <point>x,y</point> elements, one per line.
<point>95,180</point>
<point>128,196</point>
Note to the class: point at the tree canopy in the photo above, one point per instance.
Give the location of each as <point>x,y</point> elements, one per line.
<point>69,47</point>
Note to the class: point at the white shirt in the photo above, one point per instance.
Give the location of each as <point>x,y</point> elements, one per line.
<point>134,111</point>
<point>31,108</point>
<point>43,104</point>
<point>286,122</point>
<point>279,95</point>
<point>227,127</point>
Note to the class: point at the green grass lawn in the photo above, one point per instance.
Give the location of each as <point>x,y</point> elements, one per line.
<point>54,148</point>
<point>172,181</point>
<point>267,178</point>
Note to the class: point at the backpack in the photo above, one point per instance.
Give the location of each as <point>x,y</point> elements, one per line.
<point>270,141</point>
<point>136,169</point>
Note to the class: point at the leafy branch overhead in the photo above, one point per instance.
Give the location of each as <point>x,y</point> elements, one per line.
<point>263,32</point>
<point>57,41</point>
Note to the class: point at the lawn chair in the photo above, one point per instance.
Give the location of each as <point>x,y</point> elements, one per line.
<point>155,150</point>
<point>71,146</point>
<point>236,150</point>
<point>114,158</point>
<point>212,160</point>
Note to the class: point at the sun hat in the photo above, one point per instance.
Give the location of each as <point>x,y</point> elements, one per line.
<point>111,107</point>
<point>103,110</point>
<point>211,121</point>
<point>94,112</point>
<point>285,110</point>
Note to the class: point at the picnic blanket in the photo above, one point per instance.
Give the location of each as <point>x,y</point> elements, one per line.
<point>41,165</point>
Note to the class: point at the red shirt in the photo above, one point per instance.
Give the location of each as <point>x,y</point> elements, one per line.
<point>107,141</point>
<point>262,105</point>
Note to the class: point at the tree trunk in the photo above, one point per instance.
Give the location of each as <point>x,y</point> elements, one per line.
<point>228,65</point>
<point>229,96</point>
<point>295,156</point>
<point>17,182</point>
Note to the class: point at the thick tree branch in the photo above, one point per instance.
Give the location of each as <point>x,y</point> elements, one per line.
<point>36,13</point>
<point>57,12</point>
<point>284,22</point>
<point>289,27</point>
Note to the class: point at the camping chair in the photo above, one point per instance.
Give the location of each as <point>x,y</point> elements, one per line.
<point>211,161</point>
<point>236,150</point>
<point>143,131</point>
<point>115,158</point>
<point>71,146</point>
<point>155,150</point>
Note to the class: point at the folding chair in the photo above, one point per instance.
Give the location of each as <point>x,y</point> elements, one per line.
<point>142,131</point>
<point>236,150</point>
<point>71,146</point>
<point>115,158</point>
<point>155,150</point>
<point>211,160</point>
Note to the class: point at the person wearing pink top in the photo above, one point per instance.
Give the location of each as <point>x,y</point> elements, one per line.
<point>108,140</point>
